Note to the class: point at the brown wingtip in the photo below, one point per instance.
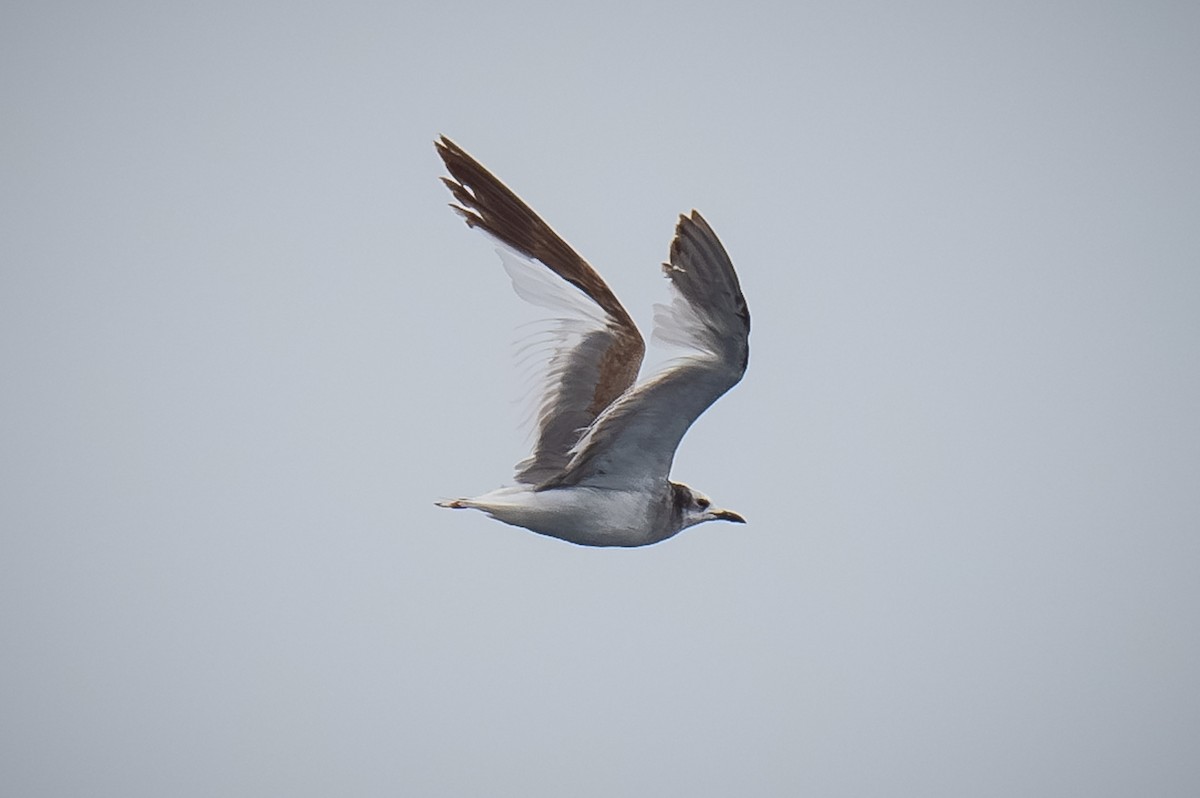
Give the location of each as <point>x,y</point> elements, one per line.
<point>486,203</point>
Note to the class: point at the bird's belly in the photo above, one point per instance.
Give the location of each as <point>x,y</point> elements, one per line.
<point>587,516</point>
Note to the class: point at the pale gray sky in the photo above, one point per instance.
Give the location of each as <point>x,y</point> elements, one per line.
<point>245,345</point>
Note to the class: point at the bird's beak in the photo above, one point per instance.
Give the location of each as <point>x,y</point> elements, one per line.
<point>728,515</point>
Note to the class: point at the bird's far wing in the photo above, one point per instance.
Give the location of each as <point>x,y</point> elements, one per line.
<point>597,349</point>
<point>633,442</point>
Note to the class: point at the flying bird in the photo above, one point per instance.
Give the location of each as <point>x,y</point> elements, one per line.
<point>601,462</point>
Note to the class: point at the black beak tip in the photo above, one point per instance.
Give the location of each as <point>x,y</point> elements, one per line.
<point>730,515</point>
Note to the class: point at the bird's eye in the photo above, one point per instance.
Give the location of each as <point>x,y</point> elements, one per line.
<point>703,503</point>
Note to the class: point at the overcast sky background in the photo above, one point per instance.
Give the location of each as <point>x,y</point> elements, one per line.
<point>244,346</point>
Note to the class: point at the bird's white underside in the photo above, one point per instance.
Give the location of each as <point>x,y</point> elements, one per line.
<point>588,516</point>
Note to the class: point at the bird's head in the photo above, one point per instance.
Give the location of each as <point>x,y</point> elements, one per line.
<point>692,507</point>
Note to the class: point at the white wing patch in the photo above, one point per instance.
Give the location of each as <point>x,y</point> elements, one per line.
<point>538,285</point>
<point>679,325</point>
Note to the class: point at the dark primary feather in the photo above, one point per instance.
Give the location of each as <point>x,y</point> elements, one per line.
<point>584,380</point>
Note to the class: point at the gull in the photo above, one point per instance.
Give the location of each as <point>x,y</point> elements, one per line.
<point>600,467</point>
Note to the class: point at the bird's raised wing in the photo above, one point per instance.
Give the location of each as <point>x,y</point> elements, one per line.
<point>597,349</point>
<point>633,442</point>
